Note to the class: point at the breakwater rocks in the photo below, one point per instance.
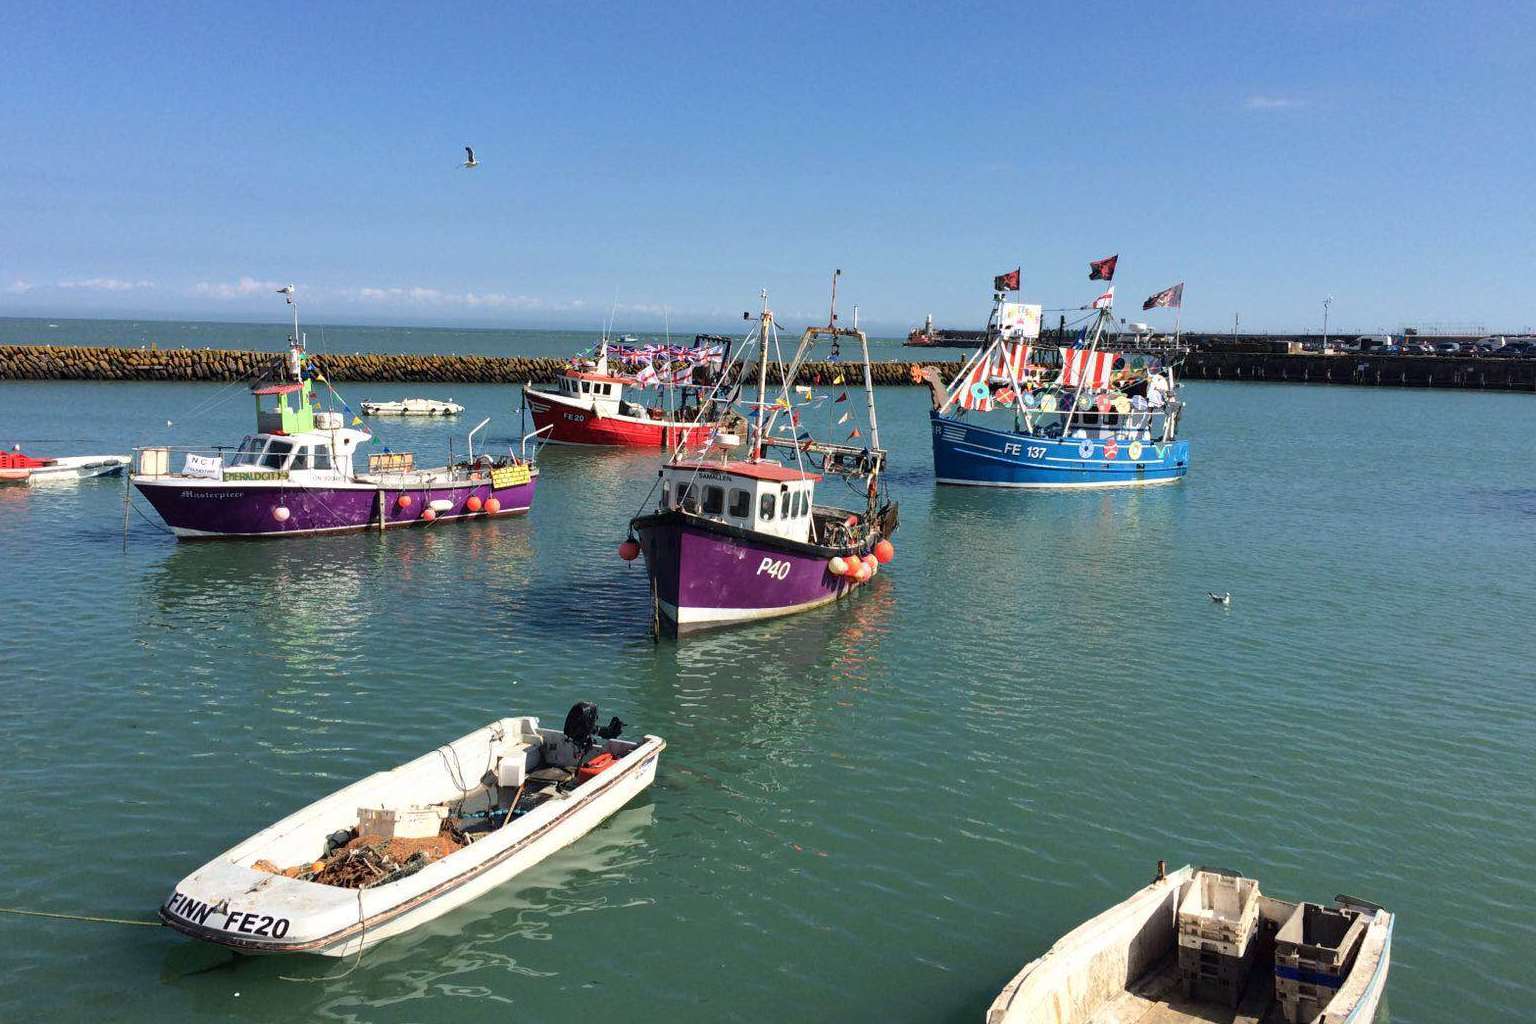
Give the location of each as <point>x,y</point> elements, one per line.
<point>58,362</point>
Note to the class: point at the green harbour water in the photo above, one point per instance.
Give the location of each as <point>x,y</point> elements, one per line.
<point>875,811</point>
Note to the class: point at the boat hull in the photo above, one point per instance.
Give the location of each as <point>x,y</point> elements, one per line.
<point>706,575</point>
<point>570,423</point>
<point>197,509</point>
<point>970,455</point>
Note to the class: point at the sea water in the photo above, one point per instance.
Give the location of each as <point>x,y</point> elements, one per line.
<point>874,811</point>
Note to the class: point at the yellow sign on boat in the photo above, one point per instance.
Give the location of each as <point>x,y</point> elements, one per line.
<point>509,476</point>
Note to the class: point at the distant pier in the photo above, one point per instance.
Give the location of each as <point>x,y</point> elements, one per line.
<point>1235,363</point>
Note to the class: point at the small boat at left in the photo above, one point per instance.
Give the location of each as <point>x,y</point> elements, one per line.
<point>402,847</point>
<point>18,468</point>
<point>296,475</point>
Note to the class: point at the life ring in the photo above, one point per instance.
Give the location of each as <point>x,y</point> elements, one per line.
<point>1085,450</point>
<point>1102,403</point>
<point>1122,405</point>
<point>1048,403</point>
<point>1134,451</point>
<point>980,392</point>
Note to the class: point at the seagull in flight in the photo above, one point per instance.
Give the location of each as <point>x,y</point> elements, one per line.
<point>469,151</point>
<point>1220,598</point>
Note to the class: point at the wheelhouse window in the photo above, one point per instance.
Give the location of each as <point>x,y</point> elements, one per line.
<point>714,500</point>
<point>321,459</point>
<point>250,452</point>
<point>586,387</point>
<point>741,503</point>
<point>766,506</point>
<point>277,454</point>
<point>686,497</point>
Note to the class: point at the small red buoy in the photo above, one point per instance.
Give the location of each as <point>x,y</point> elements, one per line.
<point>281,513</point>
<point>885,551</point>
<point>404,501</point>
<point>854,565</point>
<point>629,550</point>
<point>492,505</point>
<point>429,514</point>
<point>474,503</point>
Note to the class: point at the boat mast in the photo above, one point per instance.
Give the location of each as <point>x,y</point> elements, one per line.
<point>762,375</point>
<point>1093,346</point>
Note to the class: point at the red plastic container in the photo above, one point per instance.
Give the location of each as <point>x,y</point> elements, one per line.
<point>595,767</point>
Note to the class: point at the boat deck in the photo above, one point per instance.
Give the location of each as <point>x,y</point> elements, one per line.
<point>1158,998</point>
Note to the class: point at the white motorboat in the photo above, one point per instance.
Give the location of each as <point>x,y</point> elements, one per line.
<point>405,846</point>
<point>18,468</point>
<point>1202,945</point>
<point>413,407</point>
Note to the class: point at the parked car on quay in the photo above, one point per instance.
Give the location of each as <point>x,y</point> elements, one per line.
<point>1448,348</point>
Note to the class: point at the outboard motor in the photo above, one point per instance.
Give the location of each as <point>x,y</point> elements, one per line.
<point>581,723</point>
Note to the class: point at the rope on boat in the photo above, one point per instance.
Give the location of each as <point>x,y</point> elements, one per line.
<point>78,917</point>
<point>362,937</point>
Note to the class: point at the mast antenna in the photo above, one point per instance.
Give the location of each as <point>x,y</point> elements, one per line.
<point>832,311</point>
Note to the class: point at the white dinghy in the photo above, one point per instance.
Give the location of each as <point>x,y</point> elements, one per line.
<point>413,407</point>
<point>1202,945</point>
<point>18,468</point>
<point>405,846</point>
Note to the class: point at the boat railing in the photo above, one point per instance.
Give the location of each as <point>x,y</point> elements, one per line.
<point>162,459</point>
<point>538,438</point>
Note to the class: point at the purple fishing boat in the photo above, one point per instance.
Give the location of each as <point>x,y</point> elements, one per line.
<point>295,476</point>
<point>738,540</point>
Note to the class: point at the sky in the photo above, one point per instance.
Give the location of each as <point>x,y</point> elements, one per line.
<point>666,162</point>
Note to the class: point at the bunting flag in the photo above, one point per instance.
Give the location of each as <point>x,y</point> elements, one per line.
<point>842,419</point>
<point>794,419</point>
<point>1082,368</point>
<point>1008,362</point>
<point>841,398</point>
<point>838,380</point>
<point>781,403</point>
<point>1106,300</point>
<point>1104,269</point>
<point>1170,297</point>
<point>1008,282</point>
<point>855,434</point>
<point>357,421</point>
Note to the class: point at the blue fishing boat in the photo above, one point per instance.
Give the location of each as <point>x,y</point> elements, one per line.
<point>1020,414</point>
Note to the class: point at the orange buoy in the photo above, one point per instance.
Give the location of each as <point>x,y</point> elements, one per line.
<point>404,501</point>
<point>429,514</point>
<point>863,574</point>
<point>885,551</point>
<point>837,566</point>
<point>474,503</point>
<point>854,565</point>
<point>629,550</point>
<point>492,506</point>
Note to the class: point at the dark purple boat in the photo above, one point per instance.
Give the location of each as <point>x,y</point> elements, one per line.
<point>735,541</point>
<point>295,475</point>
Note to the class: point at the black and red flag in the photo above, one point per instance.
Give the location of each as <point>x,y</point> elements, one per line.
<point>1008,282</point>
<point>1170,297</point>
<point>1104,269</point>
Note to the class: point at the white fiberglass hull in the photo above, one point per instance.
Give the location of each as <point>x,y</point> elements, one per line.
<point>78,467</point>
<point>231,903</point>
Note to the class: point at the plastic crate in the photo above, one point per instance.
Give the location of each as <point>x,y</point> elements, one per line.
<point>1314,952</point>
<point>1218,919</point>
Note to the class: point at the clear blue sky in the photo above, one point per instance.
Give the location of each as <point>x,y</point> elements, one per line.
<point>177,159</point>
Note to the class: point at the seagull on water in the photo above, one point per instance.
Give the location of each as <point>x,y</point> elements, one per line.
<point>469,151</point>
<point>1220,598</point>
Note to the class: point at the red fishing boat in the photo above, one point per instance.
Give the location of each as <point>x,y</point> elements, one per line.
<point>651,399</point>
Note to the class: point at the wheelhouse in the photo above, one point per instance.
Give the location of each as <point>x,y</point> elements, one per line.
<point>305,452</point>
<point>761,497</point>
<point>604,392</point>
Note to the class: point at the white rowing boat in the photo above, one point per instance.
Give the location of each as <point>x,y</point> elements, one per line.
<point>404,846</point>
<point>412,407</point>
<point>18,468</point>
<point>1200,945</point>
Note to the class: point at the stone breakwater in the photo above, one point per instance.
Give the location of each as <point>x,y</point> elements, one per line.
<point>58,362</point>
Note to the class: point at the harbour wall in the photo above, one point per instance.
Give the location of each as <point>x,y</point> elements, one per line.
<point>58,362</point>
